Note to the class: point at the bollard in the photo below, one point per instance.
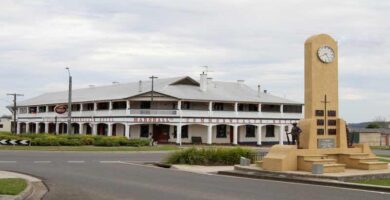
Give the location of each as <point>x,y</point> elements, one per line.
<point>244,161</point>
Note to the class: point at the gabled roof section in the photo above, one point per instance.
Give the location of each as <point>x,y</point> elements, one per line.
<point>186,81</point>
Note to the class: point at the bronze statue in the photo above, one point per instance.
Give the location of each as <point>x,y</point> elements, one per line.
<point>295,132</point>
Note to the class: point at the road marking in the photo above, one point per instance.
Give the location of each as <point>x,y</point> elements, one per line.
<point>76,161</point>
<point>42,161</point>
<point>5,161</point>
<point>109,161</point>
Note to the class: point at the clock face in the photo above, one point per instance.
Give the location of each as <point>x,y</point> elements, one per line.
<point>325,54</point>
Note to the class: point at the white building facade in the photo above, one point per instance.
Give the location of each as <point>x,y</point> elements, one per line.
<point>178,110</point>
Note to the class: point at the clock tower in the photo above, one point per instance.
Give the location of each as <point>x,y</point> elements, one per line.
<point>321,127</point>
<point>323,140</point>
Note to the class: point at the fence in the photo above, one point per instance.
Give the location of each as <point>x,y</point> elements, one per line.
<point>258,156</point>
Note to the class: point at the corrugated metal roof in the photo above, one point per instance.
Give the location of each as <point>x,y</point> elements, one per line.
<point>216,91</point>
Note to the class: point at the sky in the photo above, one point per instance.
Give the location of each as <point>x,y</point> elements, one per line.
<point>261,42</point>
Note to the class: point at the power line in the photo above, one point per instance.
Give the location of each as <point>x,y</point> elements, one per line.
<point>15,95</point>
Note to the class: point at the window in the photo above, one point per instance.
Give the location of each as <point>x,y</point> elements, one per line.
<point>88,106</point>
<point>184,132</point>
<point>292,109</point>
<point>42,109</point>
<point>248,107</point>
<point>23,110</point>
<point>250,131</point>
<point>144,131</point>
<point>32,110</point>
<point>120,105</point>
<point>145,105</point>
<point>76,107</point>
<point>218,106</point>
<point>1,125</point>
<point>253,107</point>
<point>320,131</point>
<point>103,106</point>
<point>185,105</point>
<point>270,131</point>
<point>270,108</point>
<point>221,131</point>
<point>51,108</point>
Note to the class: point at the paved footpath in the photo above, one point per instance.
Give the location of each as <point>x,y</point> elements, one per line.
<point>98,175</point>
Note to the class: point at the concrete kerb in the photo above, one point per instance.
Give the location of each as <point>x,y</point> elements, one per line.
<point>308,180</point>
<point>35,188</point>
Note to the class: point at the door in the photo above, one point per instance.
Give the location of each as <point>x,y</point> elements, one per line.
<point>161,133</point>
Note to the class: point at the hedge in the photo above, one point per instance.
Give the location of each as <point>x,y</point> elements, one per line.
<point>43,139</point>
<point>209,156</point>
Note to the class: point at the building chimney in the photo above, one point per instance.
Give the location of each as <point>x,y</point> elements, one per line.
<point>258,90</point>
<point>265,91</point>
<point>140,86</point>
<point>203,82</point>
<point>240,82</point>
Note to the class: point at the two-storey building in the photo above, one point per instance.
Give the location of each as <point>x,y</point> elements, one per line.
<point>178,110</point>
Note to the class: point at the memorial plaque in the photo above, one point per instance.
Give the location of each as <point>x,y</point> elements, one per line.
<point>320,131</point>
<point>332,113</point>
<point>332,132</point>
<point>319,113</point>
<point>332,122</point>
<point>320,122</point>
<point>324,143</point>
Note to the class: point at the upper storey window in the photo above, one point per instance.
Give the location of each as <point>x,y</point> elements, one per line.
<point>292,108</point>
<point>270,108</point>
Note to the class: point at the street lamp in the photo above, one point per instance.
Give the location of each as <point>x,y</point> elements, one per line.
<point>69,102</point>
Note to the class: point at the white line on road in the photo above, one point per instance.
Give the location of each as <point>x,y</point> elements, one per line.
<point>5,161</point>
<point>42,161</point>
<point>76,161</point>
<point>109,161</point>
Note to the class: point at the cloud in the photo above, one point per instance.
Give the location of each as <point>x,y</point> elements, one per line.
<point>259,41</point>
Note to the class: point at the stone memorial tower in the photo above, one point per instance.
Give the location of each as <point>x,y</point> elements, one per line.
<point>323,139</point>
<point>321,127</point>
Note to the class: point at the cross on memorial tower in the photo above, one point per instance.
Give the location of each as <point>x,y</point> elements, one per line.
<point>325,102</point>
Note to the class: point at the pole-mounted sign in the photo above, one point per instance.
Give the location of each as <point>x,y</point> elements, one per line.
<point>60,109</point>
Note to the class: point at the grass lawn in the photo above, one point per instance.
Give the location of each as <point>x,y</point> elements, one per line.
<point>90,148</point>
<point>381,182</point>
<point>12,186</point>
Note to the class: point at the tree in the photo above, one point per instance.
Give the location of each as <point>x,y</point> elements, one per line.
<point>380,121</point>
<point>373,125</point>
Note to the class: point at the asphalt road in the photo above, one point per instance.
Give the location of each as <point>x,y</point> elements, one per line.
<point>76,175</point>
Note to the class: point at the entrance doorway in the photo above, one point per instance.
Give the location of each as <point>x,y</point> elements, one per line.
<point>160,133</point>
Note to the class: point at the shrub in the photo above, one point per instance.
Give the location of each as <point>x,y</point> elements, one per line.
<point>109,141</point>
<point>50,141</point>
<point>138,142</point>
<point>211,156</point>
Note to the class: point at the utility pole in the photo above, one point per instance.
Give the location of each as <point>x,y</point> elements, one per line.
<point>69,126</point>
<point>151,94</point>
<point>14,109</point>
